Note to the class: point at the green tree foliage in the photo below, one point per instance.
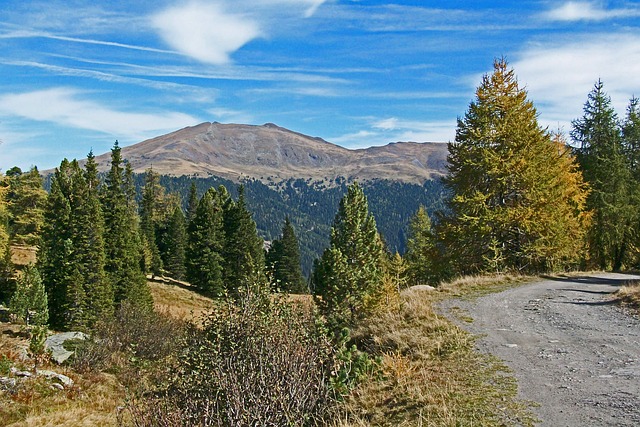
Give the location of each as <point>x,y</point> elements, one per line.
<point>192,202</point>
<point>421,257</point>
<point>4,214</point>
<point>601,155</point>
<point>206,244</point>
<point>176,245</point>
<point>243,248</point>
<point>123,246</point>
<point>26,198</point>
<point>152,193</point>
<point>517,198</point>
<point>631,137</point>
<point>6,268</point>
<point>283,259</point>
<point>29,302</point>
<point>72,254</point>
<point>349,278</point>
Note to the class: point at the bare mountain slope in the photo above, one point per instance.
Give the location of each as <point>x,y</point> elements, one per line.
<point>234,151</point>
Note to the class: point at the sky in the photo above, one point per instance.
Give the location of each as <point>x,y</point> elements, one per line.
<point>77,75</point>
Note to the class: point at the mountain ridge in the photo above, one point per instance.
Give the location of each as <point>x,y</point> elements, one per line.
<point>272,153</point>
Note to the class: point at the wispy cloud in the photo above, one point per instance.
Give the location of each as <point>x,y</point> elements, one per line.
<point>67,107</point>
<point>588,11</point>
<point>560,73</point>
<point>382,131</point>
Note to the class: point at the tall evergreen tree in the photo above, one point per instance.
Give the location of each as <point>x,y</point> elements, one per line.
<point>631,137</point>
<point>122,235</point>
<point>517,197</point>
<point>349,278</point>
<point>283,259</point>
<point>421,257</point>
<point>602,159</point>
<point>192,202</point>
<point>243,249</point>
<point>206,244</point>
<point>150,220</point>
<point>176,245</point>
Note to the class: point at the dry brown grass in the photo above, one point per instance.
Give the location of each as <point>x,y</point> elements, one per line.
<point>22,255</point>
<point>92,401</point>
<point>180,303</point>
<point>432,374</point>
<point>629,295</point>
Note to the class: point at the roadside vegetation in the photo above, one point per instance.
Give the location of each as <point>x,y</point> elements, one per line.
<point>629,296</point>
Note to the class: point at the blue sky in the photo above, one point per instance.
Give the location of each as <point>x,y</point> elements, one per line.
<point>77,75</point>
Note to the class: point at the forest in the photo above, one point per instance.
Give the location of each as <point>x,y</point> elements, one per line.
<point>518,198</point>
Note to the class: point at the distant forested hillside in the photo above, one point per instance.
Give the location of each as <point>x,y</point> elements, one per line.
<point>311,207</point>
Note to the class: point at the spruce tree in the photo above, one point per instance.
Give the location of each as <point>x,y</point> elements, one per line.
<point>517,198</point>
<point>192,202</point>
<point>206,243</point>
<point>29,302</point>
<point>150,221</point>
<point>421,257</point>
<point>631,137</point>
<point>243,248</point>
<point>123,247</point>
<point>283,259</point>
<point>176,245</point>
<point>349,278</point>
<point>601,155</point>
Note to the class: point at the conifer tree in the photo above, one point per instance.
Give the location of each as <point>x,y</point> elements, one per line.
<point>243,248</point>
<point>518,200</point>
<point>150,220</point>
<point>284,261</point>
<point>192,202</point>
<point>206,243</point>
<point>631,137</point>
<point>122,235</point>
<point>349,278</point>
<point>29,302</point>
<point>6,268</point>
<point>176,245</point>
<point>601,154</point>
<point>421,253</point>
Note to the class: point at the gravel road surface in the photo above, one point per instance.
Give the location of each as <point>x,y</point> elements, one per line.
<point>571,349</point>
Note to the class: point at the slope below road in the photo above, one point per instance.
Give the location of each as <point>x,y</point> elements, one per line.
<point>571,349</point>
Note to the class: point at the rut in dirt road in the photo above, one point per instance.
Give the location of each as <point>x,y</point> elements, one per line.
<point>572,350</point>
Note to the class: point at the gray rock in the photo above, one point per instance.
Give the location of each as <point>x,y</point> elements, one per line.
<point>54,376</point>
<point>54,345</point>
<point>19,373</point>
<point>421,288</point>
<point>7,383</point>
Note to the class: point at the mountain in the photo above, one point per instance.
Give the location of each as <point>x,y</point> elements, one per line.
<point>272,153</point>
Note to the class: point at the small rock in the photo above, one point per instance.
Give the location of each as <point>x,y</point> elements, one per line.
<point>57,386</point>
<point>7,383</point>
<point>18,373</point>
<point>63,379</point>
<point>511,345</point>
<point>55,342</point>
<point>421,288</point>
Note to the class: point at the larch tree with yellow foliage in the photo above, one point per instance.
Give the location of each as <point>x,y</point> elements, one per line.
<point>518,198</point>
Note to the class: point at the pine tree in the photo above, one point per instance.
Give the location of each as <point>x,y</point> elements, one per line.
<point>150,221</point>
<point>206,243</point>
<point>192,202</point>
<point>631,137</point>
<point>601,155</point>
<point>89,256</point>
<point>421,253</point>
<point>176,245</point>
<point>349,278</point>
<point>517,197</point>
<point>123,247</point>
<point>243,248</point>
<point>29,302</point>
<point>284,261</point>
<point>55,252</point>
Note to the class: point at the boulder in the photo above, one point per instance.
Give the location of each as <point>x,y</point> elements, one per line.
<point>421,288</point>
<point>54,376</point>
<point>55,342</point>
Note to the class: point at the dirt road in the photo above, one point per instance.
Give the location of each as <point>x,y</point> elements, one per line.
<point>571,349</point>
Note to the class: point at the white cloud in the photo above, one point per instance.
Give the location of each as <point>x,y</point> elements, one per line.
<point>588,11</point>
<point>227,115</point>
<point>392,129</point>
<point>65,106</point>
<point>205,31</point>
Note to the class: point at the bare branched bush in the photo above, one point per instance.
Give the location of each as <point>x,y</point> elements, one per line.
<point>255,362</point>
<point>131,335</point>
